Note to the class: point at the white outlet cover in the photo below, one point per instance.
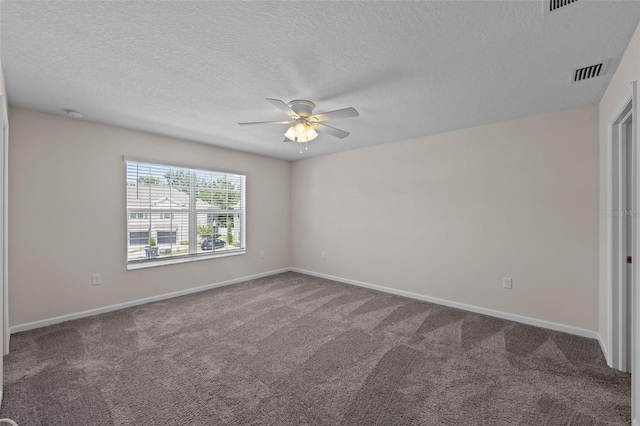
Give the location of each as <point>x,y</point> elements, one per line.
<point>507,282</point>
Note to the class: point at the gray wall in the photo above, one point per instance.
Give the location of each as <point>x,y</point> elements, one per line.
<point>450,215</point>
<point>445,216</point>
<point>68,215</point>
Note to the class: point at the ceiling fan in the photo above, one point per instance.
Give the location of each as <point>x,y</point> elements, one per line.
<point>304,125</point>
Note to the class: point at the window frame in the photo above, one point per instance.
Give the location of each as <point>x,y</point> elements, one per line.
<point>193,212</point>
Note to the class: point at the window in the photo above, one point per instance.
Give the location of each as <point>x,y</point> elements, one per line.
<point>173,210</point>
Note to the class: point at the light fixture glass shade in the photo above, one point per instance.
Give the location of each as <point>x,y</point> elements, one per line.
<point>301,132</point>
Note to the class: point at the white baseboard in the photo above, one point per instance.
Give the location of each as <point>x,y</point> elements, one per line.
<point>603,347</point>
<point>635,422</point>
<point>68,317</point>
<point>499,314</point>
<point>477,309</point>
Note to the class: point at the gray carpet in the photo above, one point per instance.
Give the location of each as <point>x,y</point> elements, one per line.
<point>297,350</point>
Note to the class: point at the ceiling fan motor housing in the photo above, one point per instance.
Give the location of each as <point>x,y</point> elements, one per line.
<point>302,107</point>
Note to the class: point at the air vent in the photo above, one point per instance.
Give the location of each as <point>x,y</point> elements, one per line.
<point>555,5</point>
<point>592,71</point>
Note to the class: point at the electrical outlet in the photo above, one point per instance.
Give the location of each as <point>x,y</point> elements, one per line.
<point>96,279</point>
<point>507,282</point>
<point>262,254</point>
<point>324,254</point>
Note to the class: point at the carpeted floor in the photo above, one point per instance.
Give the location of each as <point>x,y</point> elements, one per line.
<point>292,349</point>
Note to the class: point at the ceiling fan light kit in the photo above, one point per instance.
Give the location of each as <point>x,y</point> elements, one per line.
<point>303,126</point>
<point>301,132</point>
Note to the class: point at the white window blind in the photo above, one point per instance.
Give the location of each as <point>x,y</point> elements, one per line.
<point>178,213</point>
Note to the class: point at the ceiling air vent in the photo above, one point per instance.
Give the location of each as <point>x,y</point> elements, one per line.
<point>554,5</point>
<point>591,71</point>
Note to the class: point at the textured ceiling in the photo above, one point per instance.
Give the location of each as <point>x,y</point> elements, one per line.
<point>195,69</point>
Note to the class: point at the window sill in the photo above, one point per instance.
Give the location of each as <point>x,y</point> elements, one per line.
<point>164,262</point>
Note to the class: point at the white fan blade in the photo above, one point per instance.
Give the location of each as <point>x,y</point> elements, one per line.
<point>283,106</point>
<point>264,122</point>
<point>331,130</point>
<point>339,113</point>
<point>287,140</point>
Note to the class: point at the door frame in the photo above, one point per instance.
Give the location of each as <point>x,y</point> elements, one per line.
<point>616,235</point>
<point>4,262</point>
<point>614,344</point>
<point>635,323</point>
